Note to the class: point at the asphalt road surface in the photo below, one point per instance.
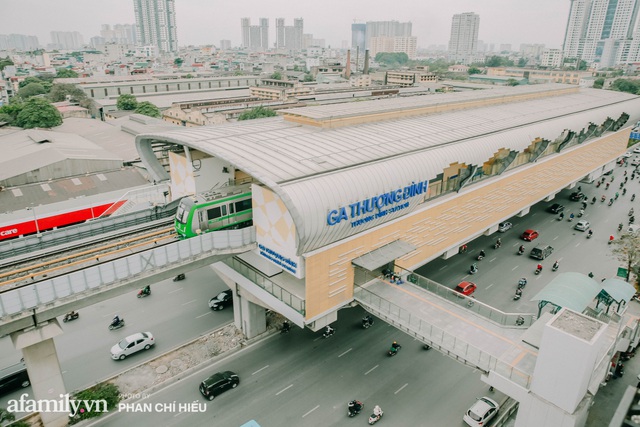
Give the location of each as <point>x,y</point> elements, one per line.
<point>175,313</point>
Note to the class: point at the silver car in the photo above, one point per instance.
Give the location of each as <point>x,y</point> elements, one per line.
<point>132,344</point>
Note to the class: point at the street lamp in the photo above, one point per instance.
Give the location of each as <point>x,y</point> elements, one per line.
<point>35,219</point>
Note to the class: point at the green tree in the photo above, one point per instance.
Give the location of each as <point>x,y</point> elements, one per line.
<point>9,112</point>
<point>38,113</point>
<point>65,73</point>
<point>126,102</point>
<point>5,62</point>
<point>624,85</point>
<point>148,109</point>
<point>178,62</point>
<point>512,82</point>
<point>32,89</point>
<point>522,62</point>
<point>106,392</point>
<point>45,82</point>
<point>308,77</point>
<point>257,113</point>
<point>60,91</point>
<point>474,70</point>
<point>276,76</point>
<point>598,83</point>
<point>627,250</point>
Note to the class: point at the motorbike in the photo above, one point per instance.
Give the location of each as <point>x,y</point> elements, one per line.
<point>518,294</point>
<point>480,257</point>
<point>375,418</point>
<point>520,251</point>
<point>286,327</point>
<point>580,213</point>
<point>560,217</point>
<point>602,199</point>
<point>598,184</point>
<point>570,218</point>
<point>354,407</point>
<point>633,197</point>
<point>367,321</point>
<point>70,316</point>
<point>179,277</point>
<point>589,234</point>
<point>118,325</point>
<point>620,227</point>
<point>632,220</point>
<point>473,269</point>
<point>496,246</point>
<point>538,270</point>
<point>520,321</point>
<point>142,293</point>
<point>522,283</point>
<point>327,334</point>
<point>631,212</point>
<point>610,202</point>
<point>626,355</point>
<point>394,350</point>
<point>555,267</point>
<point>593,201</point>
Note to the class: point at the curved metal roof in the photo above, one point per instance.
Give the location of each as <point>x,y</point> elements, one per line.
<point>618,289</point>
<point>316,170</point>
<point>571,290</point>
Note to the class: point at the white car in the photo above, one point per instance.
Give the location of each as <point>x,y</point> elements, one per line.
<point>481,412</point>
<point>635,161</point>
<point>582,225</point>
<point>636,150</point>
<point>504,226</point>
<point>132,344</point>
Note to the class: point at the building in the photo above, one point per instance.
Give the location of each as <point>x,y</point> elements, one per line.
<point>359,37</point>
<point>409,78</point>
<point>225,44</point>
<point>120,33</point>
<point>255,37</point>
<point>602,32</point>
<point>572,77</point>
<point>390,36</point>
<point>156,24</point>
<point>66,40</point>
<point>551,58</point>
<point>18,42</point>
<point>464,37</point>
<point>290,37</point>
<point>279,90</point>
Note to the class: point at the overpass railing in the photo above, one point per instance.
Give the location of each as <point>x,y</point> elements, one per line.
<point>108,275</point>
<point>448,343</point>
<point>265,283</point>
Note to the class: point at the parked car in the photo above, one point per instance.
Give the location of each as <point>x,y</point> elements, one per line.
<point>541,251</point>
<point>219,383</point>
<point>504,226</point>
<point>577,196</point>
<point>13,377</point>
<point>466,288</point>
<point>481,412</point>
<point>582,225</point>
<point>529,235</point>
<point>132,344</point>
<point>220,301</point>
<point>556,208</point>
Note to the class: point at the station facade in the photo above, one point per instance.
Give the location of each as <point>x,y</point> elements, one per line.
<point>402,180</point>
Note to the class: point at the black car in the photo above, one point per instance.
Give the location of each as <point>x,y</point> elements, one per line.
<point>13,377</point>
<point>221,300</point>
<point>577,196</point>
<point>556,208</point>
<point>219,383</point>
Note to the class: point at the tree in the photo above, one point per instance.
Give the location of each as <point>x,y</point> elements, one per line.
<point>38,113</point>
<point>126,102</point>
<point>257,113</point>
<point>9,112</point>
<point>474,70</point>
<point>598,83</point>
<point>60,91</point>
<point>512,82</point>
<point>624,85</point>
<point>522,62</point>
<point>5,62</point>
<point>45,82</point>
<point>32,89</point>
<point>178,62</point>
<point>276,76</point>
<point>148,109</point>
<point>627,250</point>
<point>65,73</point>
<point>308,77</point>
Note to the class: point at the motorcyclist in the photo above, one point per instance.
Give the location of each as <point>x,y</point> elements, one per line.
<point>286,326</point>
<point>633,197</point>
<point>367,319</point>
<point>355,406</point>
<point>521,248</point>
<point>631,212</point>
<point>571,217</point>
<point>590,233</point>
<point>620,226</point>
<point>539,267</point>
<point>556,265</point>
<point>329,330</point>
<point>591,274</point>
<point>603,198</point>
<point>519,292</point>
<point>377,411</point>
<point>561,215</point>
<point>395,346</point>
<point>611,238</point>
<point>482,254</point>
<point>116,320</point>
<point>632,219</point>
<point>146,290</point>
<point>593,200</point>
<point>474,267</point>
<point>499,242</point>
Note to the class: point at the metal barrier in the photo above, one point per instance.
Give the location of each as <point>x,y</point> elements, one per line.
<point>447,343</point>
<point>110,274</point>
<point>265,283</point>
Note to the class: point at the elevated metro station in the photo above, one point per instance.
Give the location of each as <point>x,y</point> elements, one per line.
<point>333,197</point>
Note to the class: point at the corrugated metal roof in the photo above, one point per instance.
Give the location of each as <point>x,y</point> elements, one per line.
<point>315,170</point>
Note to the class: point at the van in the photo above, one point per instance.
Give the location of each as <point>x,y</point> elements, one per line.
<point>13,377</point>
<point>541,251</point>
<point>633,229</point>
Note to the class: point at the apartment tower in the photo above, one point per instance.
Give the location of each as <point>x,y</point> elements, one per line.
<point>463,42</point>
<point>156,24</point>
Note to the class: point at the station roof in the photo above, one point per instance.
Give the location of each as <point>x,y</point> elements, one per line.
<point>314,168</point>
<point>571,290</point>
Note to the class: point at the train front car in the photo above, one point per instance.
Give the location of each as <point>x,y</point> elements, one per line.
<point>184,217</point>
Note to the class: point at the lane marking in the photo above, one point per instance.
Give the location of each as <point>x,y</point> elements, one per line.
<point>346,352</point>
<point>311,411</point>
<point>577,244</point>
<point>261,369</point>
<point>442,268</point>
<point>555,237</point>
<point>370,370</point>
<point>189,302</point>
<point>179,413</point>
<point>176,290</point>
<point>202,315</point>
<point>284,389</point>
<point>493,259</point>
<point>489,286</point>
<point>400,389</point>
<point>515,267</point>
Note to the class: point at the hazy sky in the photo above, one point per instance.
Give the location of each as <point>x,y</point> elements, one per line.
<point>209,21</point>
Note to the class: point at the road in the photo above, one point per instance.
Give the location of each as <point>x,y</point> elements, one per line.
<point>175,313</point>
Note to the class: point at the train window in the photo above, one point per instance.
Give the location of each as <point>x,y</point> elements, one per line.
<point>231,209</point>
<point>224,210</point>
<point>243,205</point>
<point>214,213</point>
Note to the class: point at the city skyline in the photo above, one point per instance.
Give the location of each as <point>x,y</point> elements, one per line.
<point>199,22</point>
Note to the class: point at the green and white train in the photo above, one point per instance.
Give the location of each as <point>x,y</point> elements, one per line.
<point>214,210</point>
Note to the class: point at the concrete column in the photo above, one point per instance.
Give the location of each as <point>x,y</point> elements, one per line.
<point>253,318</point>
<point>41,359</point>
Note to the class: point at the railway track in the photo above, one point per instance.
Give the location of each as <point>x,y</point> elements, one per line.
<point>61,261</point>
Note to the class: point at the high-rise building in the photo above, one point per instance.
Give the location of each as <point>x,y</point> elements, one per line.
<point>225,44</point>
<point>603,31</point>
<point>389,36</point>
<point>67,40</point>
<point>464,37</point>
<point>255,37</point>
<point>358,36</point>
<point>290,37</point>
<point>18,42</point>
<point>120,33</point>
<point>156,24</point>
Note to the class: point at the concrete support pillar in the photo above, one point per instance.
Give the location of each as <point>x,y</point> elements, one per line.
<point>41,359</point>
<point>252,317</point>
